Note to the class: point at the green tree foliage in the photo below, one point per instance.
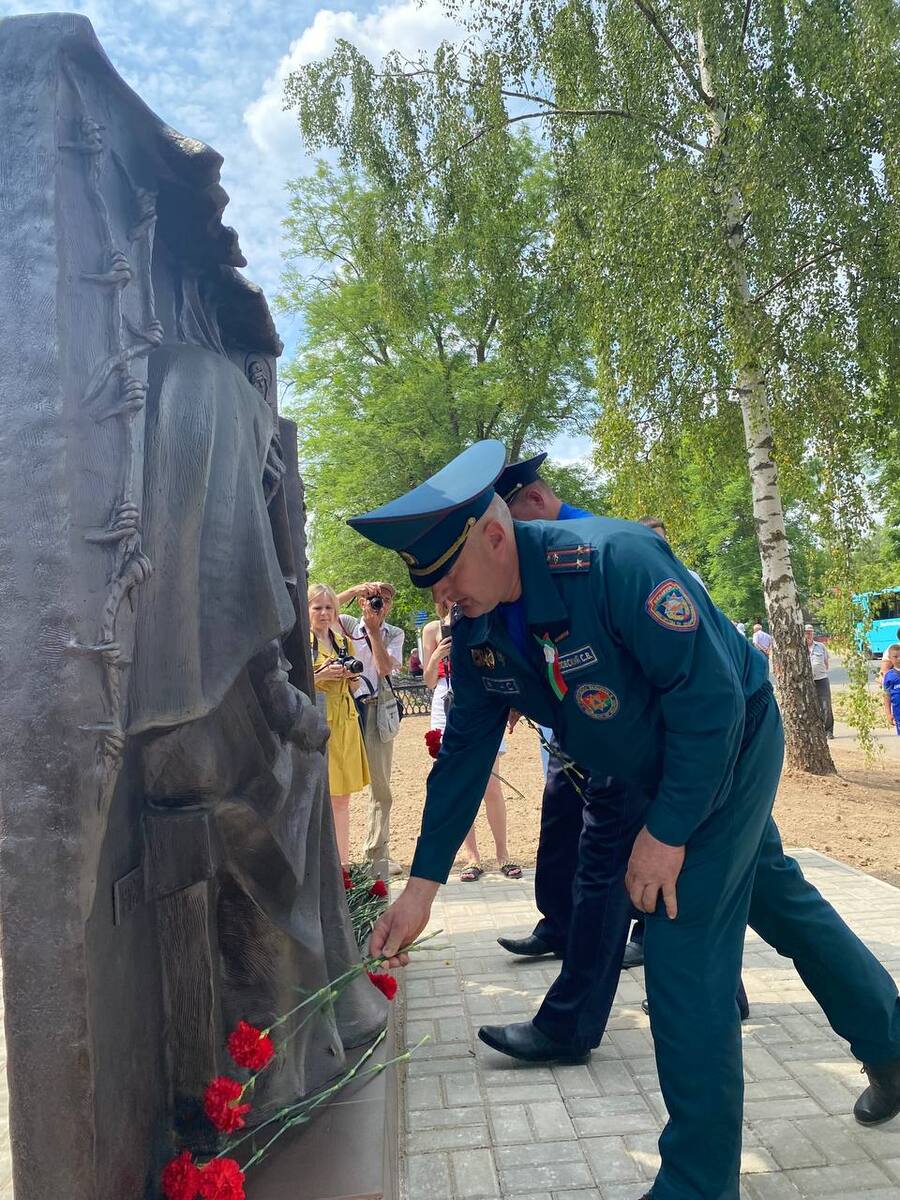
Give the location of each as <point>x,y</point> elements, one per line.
<point>702,493</point>
<point>428,324</point>
<point>726,186</point>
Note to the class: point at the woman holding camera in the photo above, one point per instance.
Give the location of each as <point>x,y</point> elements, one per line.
<point>348,768</point>
<point>436,675</point>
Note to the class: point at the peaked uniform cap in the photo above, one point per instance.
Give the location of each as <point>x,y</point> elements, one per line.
<point>518,475</point>
<point>428,526</point>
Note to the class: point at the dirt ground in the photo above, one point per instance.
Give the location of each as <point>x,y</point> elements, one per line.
<point>853,816</point>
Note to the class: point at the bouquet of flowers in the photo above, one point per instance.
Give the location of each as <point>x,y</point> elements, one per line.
<point>433,739</point>
<point>227,1101</point>
<point>366,898</point>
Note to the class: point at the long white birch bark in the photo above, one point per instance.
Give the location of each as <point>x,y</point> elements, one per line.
<point>806,744</point>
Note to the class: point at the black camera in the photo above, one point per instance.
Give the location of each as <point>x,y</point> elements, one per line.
<point>376,603</point>
<point>349,663</point>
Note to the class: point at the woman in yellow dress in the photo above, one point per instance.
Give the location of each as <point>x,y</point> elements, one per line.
<point>348,768</point>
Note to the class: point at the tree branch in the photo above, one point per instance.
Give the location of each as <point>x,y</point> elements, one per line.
<point>655,23</point>
<point>481,345</point>
<point>535,99</point>
<point>491,425</point>
<point>748,4</point>
<point>685,143</point>
<point>330,251</point>
<point>798,270</point>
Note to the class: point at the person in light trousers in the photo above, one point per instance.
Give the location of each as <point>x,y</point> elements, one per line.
<point>818,657</point>
<point>379,647</point>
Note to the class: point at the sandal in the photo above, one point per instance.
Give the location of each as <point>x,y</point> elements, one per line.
<point>472,873</point>
<point>511,870</point>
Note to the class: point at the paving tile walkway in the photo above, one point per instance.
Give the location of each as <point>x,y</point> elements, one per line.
<point>480,1126</point>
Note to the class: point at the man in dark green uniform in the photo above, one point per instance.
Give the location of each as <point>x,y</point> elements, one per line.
<point>669,696</point>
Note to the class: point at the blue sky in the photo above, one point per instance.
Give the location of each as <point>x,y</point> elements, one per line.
<point>214,70</point>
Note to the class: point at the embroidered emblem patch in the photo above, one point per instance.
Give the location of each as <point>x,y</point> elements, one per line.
<point>597,701</point>
<point>506,687</point>
<point>576,660</point>
<point>671,607</point>
<point>483,658</point>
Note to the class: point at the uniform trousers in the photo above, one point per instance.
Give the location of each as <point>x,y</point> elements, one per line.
<point>579,886</point>
<point>585,894</point>
<point>735,872</point>
<point>380,755</point>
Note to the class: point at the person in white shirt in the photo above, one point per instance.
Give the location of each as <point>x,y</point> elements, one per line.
<point>379,647</point>
<point>762,640</point>
<point>818,657</point>
<point>741,628</point>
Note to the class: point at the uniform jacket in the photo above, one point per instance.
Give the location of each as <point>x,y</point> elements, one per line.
<point>657,680</point>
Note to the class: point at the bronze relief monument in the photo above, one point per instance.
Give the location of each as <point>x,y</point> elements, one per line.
<point>168,864</point>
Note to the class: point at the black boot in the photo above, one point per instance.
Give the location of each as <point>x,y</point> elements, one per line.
<point>881,1099</point>
<point>528,947</point>
<point>634,955</point>
<point>523,1040</point>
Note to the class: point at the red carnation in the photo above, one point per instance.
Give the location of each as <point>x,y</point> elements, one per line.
<point>378,888</point>
<point>219,1104</point>
<point>181,1178</point>
<point>433,742</point>
<point>385,983</point>
<point>250,1047</point>
<point>221,1179</point>
<point>348,882</point>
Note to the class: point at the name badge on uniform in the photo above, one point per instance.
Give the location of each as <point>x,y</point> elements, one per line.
<point>575,660</point>
<point>483,658</point>
<point>505,687</point>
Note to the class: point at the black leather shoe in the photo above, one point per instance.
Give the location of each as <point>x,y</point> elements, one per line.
<point>525,1041</point>
<point>528,947</point>
<point>881,1099</point>
<point>634,955</point>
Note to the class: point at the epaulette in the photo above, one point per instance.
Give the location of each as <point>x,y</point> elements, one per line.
<point>570,558</point>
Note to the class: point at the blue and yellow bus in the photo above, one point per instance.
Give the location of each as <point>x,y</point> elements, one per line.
<point>883,609</point>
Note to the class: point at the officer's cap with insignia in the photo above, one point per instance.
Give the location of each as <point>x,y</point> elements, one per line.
<point>517,476</point>
<point>428,526</point>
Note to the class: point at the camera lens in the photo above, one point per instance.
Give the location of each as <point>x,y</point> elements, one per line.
<point>376,603</point>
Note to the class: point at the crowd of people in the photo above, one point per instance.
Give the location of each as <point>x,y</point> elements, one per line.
<point>354,659</point>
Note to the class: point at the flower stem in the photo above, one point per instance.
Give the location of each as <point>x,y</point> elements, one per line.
<point>310,1105</point>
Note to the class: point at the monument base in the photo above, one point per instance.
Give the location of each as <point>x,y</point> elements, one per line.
<point>349,1151</point>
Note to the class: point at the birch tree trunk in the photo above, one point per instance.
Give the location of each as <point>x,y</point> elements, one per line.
<point>806,744</point>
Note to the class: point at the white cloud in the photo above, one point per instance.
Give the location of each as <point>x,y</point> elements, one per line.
<point>274,152</point>
<point>409,27</point>
<point>570,450</point>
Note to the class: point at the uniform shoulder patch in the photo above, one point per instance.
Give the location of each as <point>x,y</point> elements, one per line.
<point>670,606</point>
<point>570,558</point>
